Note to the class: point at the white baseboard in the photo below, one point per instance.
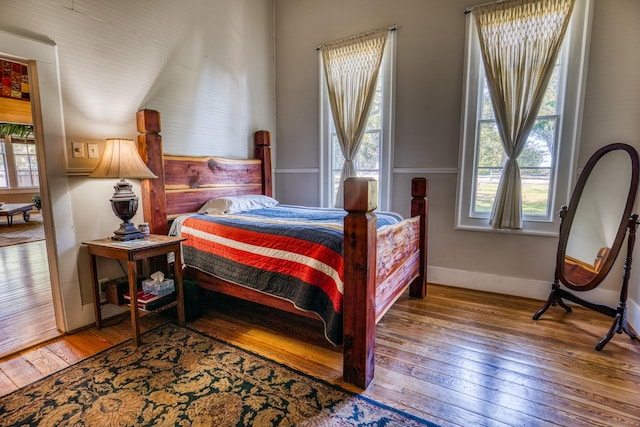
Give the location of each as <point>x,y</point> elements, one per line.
<point>523,288</point>
<point>633,315</point>
<point>108,310</point>
<point>88,314</point>
<point>535,289</point>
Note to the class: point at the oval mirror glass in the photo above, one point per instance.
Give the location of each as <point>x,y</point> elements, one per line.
<point>595,223</point>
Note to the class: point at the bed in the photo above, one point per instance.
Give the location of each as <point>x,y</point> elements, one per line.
<point>377,264</point>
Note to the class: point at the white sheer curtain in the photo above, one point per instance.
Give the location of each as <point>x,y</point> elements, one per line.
<point>351,68</point>
<point>519,41</point>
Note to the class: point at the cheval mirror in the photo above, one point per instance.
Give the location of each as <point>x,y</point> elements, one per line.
<point>592,231</point>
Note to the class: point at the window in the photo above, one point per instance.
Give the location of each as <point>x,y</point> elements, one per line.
<point>4,177</point>
<point>368,159</point>
<point>536,166</point>
<point>546,164</point>
<point>18,163</point>
<point>26,163</point>
<point>374,155</point>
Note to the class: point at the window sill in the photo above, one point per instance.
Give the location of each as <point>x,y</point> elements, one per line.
<point>22,190</point>
<point>531,229</point>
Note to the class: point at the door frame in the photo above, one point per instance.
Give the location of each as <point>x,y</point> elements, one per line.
<point>41,57</point>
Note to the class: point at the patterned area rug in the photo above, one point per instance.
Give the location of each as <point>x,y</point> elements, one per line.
<point>181,377</point>
<point>20,231</point>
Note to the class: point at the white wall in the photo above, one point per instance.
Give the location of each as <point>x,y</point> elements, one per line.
<point>429,64</point>
<point>207,66</point>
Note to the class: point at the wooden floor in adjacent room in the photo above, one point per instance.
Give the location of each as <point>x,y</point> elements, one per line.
<point>459,357</point>
<point>26,304</point>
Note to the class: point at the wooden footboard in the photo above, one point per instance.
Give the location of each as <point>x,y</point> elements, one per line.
<point>378,267</point>
<point>398,259</point>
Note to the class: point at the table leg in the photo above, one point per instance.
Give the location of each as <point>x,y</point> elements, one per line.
<point>96,291</point>
<point>26,215</point>
<point>177,273</point>
<point>132,271</point>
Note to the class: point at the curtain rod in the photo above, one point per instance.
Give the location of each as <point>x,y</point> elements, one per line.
<point>389,28</point>
<point>470,9</point>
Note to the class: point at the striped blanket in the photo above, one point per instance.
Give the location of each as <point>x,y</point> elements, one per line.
<point>292,252</point>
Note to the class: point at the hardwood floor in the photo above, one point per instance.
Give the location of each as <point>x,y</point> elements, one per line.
<point>457,358</point>
<point>26,305</point>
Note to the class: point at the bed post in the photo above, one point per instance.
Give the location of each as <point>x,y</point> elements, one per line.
<point>419,207</point>
<point>262,139</point>
<point>154,202</point>
<point>358,308</point>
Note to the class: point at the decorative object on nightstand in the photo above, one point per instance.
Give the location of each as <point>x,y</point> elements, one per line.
<point>121,159</point>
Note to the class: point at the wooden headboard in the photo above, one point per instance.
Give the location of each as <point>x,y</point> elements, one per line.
<point>185,183</point>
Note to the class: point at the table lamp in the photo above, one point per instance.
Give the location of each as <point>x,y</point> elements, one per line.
<point>121,159</point>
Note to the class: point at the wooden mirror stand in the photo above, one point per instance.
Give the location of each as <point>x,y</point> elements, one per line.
<point>592,231</point>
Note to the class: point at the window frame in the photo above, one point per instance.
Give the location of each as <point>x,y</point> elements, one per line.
<point>482,119</point>
<point>30,145</point>
<point>4,163</point>
<point>387,73</point>
<point>575,51</point>
<point>8,156</point>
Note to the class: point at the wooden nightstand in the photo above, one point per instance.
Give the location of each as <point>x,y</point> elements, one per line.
<point>133,251</point>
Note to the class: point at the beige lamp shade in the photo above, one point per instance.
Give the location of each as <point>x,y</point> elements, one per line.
<point>121,159</point>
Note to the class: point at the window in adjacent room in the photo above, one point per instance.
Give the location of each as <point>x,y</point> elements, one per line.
<point>26,163</point>
<point>373,158</point>
<point>546,162</point>
<point>18,163</point>
<point>4,177</point>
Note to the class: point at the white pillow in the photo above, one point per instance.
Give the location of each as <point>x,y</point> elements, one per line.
<point>235,204</point>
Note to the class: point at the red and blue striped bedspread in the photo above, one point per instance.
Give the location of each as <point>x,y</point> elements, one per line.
<point>292,252</point>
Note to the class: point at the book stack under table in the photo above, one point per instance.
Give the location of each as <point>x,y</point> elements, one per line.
<point>149,302</point>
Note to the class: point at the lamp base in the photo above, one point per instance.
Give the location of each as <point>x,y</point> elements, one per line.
<point>127,231</point>
<point>125,204</point>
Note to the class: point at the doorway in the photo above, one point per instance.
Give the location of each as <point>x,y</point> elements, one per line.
<point>41,55</point>
<point>27,315</point>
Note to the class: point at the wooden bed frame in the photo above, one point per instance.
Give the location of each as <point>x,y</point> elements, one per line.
<point>371,284</point>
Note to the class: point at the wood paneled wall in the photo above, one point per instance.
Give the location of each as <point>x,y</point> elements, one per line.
<point>15,111</point>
